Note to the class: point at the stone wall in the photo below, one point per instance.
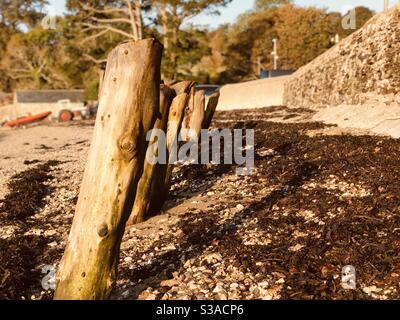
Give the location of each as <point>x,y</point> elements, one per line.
<point>362,69</point>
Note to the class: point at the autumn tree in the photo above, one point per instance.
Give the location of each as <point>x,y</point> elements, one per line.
<point>171,16</point>
<point>303,33</point>
<point>35,60</point>
<point>269,4</point>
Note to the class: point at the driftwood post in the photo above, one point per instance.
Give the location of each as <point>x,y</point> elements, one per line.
<point>160,189</point>
<point>188,112</point>
<point>161,185</point>
<point>197,117</point>
<point>128,106</point>
<point>143,194</point>
<point>210,110</point>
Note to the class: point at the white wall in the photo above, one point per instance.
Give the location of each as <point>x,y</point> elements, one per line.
<point>253,94</point>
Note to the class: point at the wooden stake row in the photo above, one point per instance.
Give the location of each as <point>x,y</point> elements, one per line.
<point>119,185</point>
<point>181,107</point>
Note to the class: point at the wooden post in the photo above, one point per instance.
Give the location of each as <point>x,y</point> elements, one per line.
<point>161,184</point>
<point>189,109</point>
<point>174,125</point>
<point>210,110</point>
<point>197,117</point>
<point>128,105</point>
<point>143,194</point>
<point>183,87</point>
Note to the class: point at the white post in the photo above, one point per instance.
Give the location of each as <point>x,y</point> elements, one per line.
<point>275,53</point>
<point>386,5</point>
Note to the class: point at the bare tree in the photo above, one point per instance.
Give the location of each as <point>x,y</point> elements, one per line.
<point>121,17</point>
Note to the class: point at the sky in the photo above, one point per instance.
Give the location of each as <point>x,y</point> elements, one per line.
<point>232,11</point>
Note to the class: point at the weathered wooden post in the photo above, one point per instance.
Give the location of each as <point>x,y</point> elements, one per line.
<point>183,87</point>
<point>128,106</point>
<point>188,112</point>
<point>210,110</point>
<point>197,117</point>
<point>161,184</point>
<point>143,194</point>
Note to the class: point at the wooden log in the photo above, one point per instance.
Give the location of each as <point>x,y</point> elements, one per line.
<point>160,189</point>
<point>210,110</point>
<point>101,80</point>
<point>183,87</point>
<point>175,117</point>
<point>189,109</point>
<point>143,194</point>
<point>128,106</point>
<point>197,117</point>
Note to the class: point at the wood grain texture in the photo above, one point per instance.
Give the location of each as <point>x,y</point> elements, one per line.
<point>210,110</point>
<point>128,105</point>
<point>151,171</point>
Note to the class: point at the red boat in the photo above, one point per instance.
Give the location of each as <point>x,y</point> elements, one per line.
<point>28,119</point>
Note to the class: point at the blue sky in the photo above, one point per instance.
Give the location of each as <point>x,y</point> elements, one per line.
<point>237,7</point>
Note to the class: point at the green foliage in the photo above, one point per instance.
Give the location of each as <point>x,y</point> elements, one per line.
<point>14,13</point>
<point>92,90</point>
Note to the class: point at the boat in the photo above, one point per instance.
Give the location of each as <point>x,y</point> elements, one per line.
<point>27,119</point>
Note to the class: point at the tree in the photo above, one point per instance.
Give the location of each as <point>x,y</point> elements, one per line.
<point>14,13</point>
<point>213,65</point>
<point>302,33</point>
<point>123,17</point>
<point>36,60</point>
<point>171,15</point>
<point>269,4</point>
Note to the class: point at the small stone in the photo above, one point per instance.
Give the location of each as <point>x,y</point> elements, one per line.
<point>240,207</point>
<point>296,248</point>
<point>234,286</point>
<point>371,289</point>
<point>128,259</point>
<point>50,233</point>
<point>218,289</point>
<point>169,283</point>
<point>53,244</point>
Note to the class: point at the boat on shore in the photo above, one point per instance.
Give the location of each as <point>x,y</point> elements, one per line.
<point>27,119</point>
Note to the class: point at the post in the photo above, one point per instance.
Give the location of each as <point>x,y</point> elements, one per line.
<point>197,117</point>
<point>128,106</point>
<point>385,5</point>
<point>275,53</point>
<point>174,125</point>
<point>143,194</point>
<point>210,110</point>
<point>162,182</point>
<point>188,112</point>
